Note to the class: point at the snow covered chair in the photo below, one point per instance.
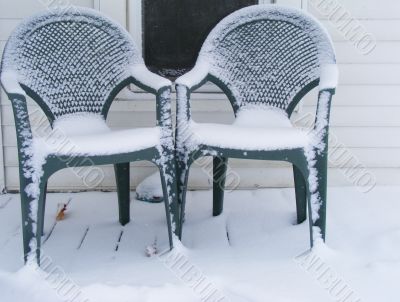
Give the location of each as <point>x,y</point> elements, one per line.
<point>72,63</point>
<point>265,58</point>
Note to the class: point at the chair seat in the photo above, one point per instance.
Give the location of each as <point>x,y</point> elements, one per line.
<point>254,129</point>
<point>88,134</point>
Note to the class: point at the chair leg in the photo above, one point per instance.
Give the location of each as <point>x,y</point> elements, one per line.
<point>32,223</point>
<point>40,219</point>
<point>41,209</point>
<point>122,180</point>
<point>318,195</point>
<point>322,170</point>
<point>168,182</point>
<point>301,195</point>
<point>219,177</point>
<point>27,221</point>
<point>182,175</point>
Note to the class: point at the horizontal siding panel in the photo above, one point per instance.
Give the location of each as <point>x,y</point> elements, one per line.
<point>359,9</point>
<point>359,116</point>
<point>249,178</point>
<point>369,74</point>
<point>382,30</point>
<point>7,26</point>
<point>22,8</point>
<point>346,95</point>
<point>384,52</point>
<point>366,137</point>
<point>362,95</point>
<point>67,179</point>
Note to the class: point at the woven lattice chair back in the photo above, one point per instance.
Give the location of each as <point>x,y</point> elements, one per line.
<point>267,56</point>
<point>70,60</point>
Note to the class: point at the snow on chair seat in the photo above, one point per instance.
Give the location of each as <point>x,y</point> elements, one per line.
<point>253,129</point>
<point>89,135</point>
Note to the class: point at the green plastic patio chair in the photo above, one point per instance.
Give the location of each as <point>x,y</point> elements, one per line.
<point>265,58</point>
<point>72,63</point>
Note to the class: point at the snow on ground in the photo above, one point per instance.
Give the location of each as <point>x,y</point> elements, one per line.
<point>253,252</point>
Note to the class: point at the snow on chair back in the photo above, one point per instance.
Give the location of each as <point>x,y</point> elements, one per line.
<point>268,56</point>
<point>70,60</point>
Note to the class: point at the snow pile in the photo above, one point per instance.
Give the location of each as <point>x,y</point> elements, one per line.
<point>150,189</point>
<point>253,252</point>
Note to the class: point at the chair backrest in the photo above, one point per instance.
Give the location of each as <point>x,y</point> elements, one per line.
<point>70,60</point>
<point>267,54</point>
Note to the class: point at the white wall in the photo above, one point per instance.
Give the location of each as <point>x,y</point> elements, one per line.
<point>365,113</point>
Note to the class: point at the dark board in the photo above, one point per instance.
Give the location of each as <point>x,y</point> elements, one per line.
<point>174,30</point>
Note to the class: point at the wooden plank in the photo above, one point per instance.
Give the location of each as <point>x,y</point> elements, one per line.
<point>86,210</point>
<point>11,235</point>
<point>143,230</point>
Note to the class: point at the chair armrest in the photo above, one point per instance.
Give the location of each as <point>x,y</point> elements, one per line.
<point>185,84</point>
<point>329,77</point>
<point>327,84</point>
<point>164,120</point>
<point>195,77</point>
<point>183,114</point>
<point>9,81</point>
<point>163,108</point>
<point>147,79</point>
<point>321,126</point>
<point>17,96</point>
<point>23,130</point>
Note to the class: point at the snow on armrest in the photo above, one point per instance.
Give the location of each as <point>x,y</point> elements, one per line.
<point>9,80</point>
<point>329,77</point>
<point>194,76</point>
<point>146,77</point>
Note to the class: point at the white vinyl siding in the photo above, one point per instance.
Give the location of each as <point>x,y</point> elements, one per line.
<point>365,113</point>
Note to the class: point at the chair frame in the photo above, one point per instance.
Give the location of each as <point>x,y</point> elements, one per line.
<point>309,196</point>
<point>162,156</point>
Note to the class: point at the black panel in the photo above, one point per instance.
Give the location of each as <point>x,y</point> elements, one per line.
<point>174,30</point>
